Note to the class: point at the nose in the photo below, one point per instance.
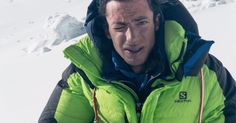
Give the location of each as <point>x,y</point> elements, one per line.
<point>131,36</point>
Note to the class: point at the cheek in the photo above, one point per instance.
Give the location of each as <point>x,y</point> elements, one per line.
<point>117,41</point>
<point>147,31</point>
<point>118,38</point>
<point>148,39</point>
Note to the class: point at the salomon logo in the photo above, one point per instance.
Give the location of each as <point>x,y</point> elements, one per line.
<point>183,97</point>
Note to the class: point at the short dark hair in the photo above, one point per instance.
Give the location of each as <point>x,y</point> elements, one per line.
<point>153,4</point>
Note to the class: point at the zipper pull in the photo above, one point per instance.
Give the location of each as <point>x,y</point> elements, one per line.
<point>139,106</point>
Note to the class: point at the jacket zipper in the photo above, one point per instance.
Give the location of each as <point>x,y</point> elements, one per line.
<point>138,103</point>
<point>134,95</point>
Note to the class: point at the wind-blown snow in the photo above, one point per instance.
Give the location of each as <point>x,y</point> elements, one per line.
<point>27,80</point>
<point>64,27</point>
<point>22,21</point>
<point>58,28</point>
<point>197,5</point>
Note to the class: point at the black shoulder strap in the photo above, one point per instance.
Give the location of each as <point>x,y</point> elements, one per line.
<point>84,76</point>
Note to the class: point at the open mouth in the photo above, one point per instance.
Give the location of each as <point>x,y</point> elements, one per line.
<point>133,50</point>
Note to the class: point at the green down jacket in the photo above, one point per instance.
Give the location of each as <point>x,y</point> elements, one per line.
<point>175,101</point>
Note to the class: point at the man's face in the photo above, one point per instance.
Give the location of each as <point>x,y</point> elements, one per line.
<point>132,30</point>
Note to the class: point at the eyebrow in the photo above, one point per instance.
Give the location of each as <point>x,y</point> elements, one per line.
<point>119,23</point>
<point>136,19</point>
<point>140,18</point>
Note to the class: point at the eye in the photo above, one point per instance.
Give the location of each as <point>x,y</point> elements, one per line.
<point>143,22</point>
<point>119,28</point>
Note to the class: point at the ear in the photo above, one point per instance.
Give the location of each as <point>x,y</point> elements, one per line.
<point>157,21</point>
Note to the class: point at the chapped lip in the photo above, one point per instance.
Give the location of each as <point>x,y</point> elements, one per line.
<point>133,50</point>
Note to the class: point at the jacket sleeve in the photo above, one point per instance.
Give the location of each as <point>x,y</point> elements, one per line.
<point>227,111</point>
<point>67,103</point>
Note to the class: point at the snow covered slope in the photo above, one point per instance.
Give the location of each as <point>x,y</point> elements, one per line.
<point>28,24</point>
<point>27,80</point>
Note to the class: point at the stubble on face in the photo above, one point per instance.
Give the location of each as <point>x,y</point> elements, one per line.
<point>131,28</point>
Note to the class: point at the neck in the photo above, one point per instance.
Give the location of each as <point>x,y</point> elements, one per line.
<point>137,69</point>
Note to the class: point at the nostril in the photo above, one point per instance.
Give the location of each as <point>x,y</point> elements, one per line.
<point>132,44</point>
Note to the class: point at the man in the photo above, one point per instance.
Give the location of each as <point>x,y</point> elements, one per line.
<point>135,67</point>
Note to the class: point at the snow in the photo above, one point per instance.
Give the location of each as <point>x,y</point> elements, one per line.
<point>34,34</point>
<point>23,21</point>
<point>58,28</point>
<point>218,24</point>
<point>64,27</point>
<point>197,5</point>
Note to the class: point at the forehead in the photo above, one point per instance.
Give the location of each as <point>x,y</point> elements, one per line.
<point>127,9</point>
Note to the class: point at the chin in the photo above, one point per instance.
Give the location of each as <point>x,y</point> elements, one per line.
<point>135,62</point>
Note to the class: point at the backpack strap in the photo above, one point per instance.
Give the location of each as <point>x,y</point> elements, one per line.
<point>84,76</point>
